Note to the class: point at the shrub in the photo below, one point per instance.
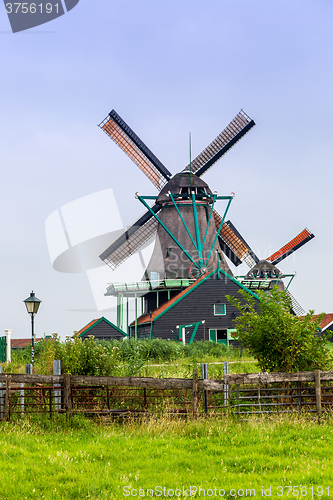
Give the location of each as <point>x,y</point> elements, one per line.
<point>78,357</point>
<point>279,340</point>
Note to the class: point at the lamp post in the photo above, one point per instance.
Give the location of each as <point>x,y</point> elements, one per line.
<point>32,305</point>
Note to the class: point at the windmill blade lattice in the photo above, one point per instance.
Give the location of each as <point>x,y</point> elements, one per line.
<point>118,130</point>
<point>233,244</point>
<point>297,308</point>
<point>131,240</point>
<point>297,242</point>
<point>236,129</point>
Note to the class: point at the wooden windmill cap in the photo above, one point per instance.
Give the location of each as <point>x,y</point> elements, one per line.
<point>179,181</point>
<point>264,270</point>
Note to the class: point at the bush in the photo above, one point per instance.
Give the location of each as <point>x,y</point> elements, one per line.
<point>78,357</point>
<point>114,357</point>
<point>279,340</point>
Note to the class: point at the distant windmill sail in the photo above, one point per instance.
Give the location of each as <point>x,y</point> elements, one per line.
<point>236,129</point>
<point>118,130</point>
<point>297,242</point>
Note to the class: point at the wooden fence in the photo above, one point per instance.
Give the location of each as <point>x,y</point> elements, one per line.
<point>243,394</point>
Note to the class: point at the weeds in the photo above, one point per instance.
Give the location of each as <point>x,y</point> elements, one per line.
<point>124,358</point>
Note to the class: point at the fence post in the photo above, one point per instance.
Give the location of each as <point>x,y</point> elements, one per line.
<point>1,399</point>
<point>226,386</point>
<point>237,398</point>
<point>67,393</point>
<point>318,394</point>
<point>8,381</point>
<point>195,394</point>
<point>28,369</point>
<point>9,346</point>
<point>57,392</point>
<point>27,372</point>
<point>205,393</point>
<point>22,397</point>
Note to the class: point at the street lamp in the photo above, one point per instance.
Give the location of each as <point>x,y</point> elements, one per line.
<point>32,305</point>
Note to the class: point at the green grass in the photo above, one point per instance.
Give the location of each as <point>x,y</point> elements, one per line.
<point>84,459</point>
<point>183,368</point>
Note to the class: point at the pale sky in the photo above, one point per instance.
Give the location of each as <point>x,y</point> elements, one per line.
<point>168,68</point>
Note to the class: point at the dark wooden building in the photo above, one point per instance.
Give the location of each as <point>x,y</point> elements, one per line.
<point>101,329</point>
<point>326,326</point>
<point>203,301</point>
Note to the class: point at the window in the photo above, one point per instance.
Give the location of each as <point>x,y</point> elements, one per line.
<point>184,192</point>
<point>232,334</point>
<point>220,310</point>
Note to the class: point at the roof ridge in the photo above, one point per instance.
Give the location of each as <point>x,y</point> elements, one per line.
<point>89,325</point>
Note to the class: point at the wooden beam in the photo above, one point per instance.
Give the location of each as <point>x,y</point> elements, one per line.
<point>17,378</point>
<point>67,393</point>
<point>147,382</point>
<point>269,378</point>
<point>8,384</point>
<point>195,394</point>
<point>318,394</point>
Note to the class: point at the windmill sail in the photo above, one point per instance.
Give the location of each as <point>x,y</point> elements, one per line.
<point>118,130</point>
<point>297,242</point>
<point>131,240</point>
<point>236,129</point>
<point>296,307</point>
<point>233,244</point>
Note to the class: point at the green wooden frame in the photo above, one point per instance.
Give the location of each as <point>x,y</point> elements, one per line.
<point>216,306</point>
<point>198,245</point>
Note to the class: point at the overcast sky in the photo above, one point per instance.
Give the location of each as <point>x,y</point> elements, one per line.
<point>168,68</point>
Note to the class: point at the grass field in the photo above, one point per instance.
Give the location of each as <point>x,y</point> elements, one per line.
<point>84,459</point>
<point>164,458</point>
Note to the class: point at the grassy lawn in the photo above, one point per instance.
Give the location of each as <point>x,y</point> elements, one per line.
<point>84,459</point>
<point>166,458</point>
<point>183,368</point>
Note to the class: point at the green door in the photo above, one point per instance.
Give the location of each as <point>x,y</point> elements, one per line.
<point>212,335</point>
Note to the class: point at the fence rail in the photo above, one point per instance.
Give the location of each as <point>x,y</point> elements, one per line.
<point>243,394</point>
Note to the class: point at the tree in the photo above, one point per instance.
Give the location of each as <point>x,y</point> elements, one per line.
<point>280,341</point>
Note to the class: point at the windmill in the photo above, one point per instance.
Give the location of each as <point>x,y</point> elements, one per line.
<point>192,237</point>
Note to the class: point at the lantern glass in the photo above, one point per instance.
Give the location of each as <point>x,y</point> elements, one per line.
<point>32,303</point>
